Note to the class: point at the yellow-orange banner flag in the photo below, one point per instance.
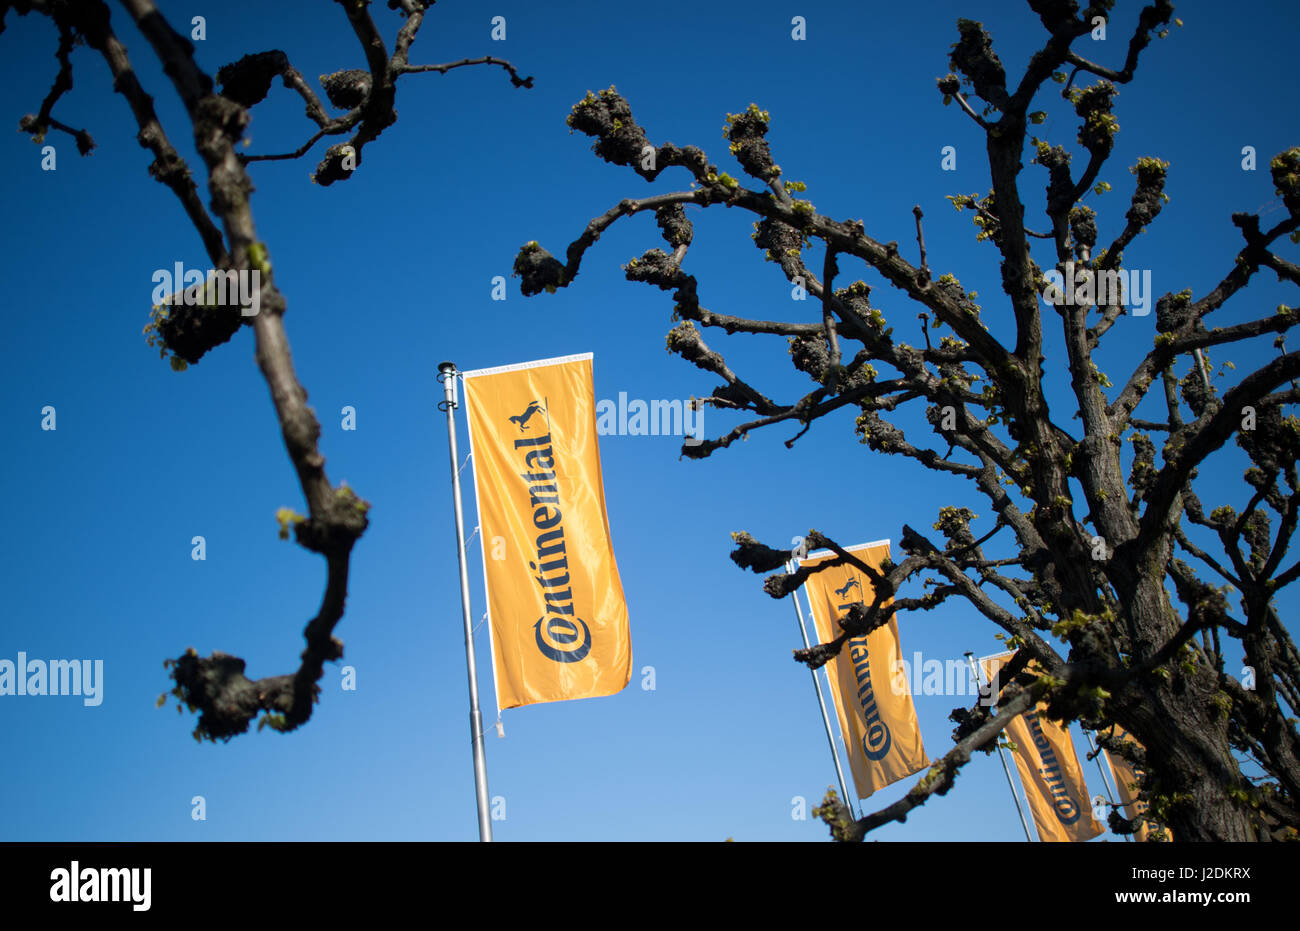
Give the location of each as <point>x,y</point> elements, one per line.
<point>557,617</point>
<point>1050,772</point>
<point>1126,781</point>
<point>874,705</point>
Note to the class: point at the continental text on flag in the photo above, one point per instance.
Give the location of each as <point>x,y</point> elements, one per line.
<point>557,631</point>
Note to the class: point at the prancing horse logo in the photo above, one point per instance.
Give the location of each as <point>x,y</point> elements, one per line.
<point>842,592</point>
<point>522,419</point>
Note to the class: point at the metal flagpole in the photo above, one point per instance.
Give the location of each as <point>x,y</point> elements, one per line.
<point>1092,748</point>
<point>447,374</point>
<point>821,702</point>
<point>1203,369</point>
<point>979,680</point>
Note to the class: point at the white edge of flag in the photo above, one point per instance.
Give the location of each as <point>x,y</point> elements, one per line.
<point>996,655</point>
<point>519,366</point>
<point>817,554</point>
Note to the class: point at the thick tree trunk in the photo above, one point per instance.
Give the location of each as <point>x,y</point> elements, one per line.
<point>1187,750</point>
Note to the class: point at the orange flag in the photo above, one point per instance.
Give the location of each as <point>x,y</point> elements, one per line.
<point>1050,772</point>
<point>873,704</point>
<point>1126,781</point>
<point>557,616</point>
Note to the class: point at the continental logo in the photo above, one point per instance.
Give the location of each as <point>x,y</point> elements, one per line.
<point>521,421</point>
<point>877,739</point>
<point>561,635</point>
<point>844,592</point>
<point>1067,809</point>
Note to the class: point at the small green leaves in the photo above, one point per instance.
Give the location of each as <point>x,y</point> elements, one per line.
<point>285,517</point>
<point>590,98</point>
<point>276,722</point>
<point>1047,682</point>
<point>346,495</point>
<point>752,110</point>
<point>257,257</point>
<point>1077,621</point>
<point>1148,166</point>
<point>1094,693</point>
<point>1224,514</point>
<point>1038,116</point>
<point>953,519</point>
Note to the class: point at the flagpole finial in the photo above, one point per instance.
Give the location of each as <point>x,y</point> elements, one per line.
<point>447,375</point>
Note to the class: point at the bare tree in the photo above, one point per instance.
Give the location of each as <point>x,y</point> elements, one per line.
<point>187,329</point>
<point>1091,574</point>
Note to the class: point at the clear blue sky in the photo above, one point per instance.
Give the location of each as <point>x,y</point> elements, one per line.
<point>390,273</point>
